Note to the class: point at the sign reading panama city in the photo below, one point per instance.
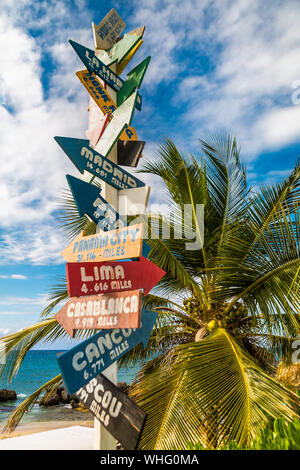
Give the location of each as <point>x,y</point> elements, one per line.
<point>95,312</point>
<point>114,409</point>
<point>123,243</point>
<point>112,276</point>
<point>85,361</point>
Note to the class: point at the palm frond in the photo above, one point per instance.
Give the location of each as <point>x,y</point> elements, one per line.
<point>27,404</point>
<point>212,392</point>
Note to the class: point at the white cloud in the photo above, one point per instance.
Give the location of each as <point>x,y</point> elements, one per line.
<point>14,276</point>
<point>4,331</point>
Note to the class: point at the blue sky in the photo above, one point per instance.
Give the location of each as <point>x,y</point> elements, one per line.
<point>216,66</point>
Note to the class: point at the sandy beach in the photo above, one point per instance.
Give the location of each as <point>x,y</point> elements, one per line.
<point>33,428</point>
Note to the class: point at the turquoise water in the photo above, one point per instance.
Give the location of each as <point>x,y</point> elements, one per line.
<point>37,368</point>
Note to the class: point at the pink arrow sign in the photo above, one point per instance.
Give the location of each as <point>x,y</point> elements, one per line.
<point>112,276</point>
<point>100,312</point>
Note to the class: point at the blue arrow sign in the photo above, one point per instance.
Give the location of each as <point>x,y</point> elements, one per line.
<point>91,357</point>
<point>93,64</point>
<point>86,158</point>
<point>89,201</point>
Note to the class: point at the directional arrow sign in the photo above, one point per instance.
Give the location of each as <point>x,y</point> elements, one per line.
<point>89,201</point>
<point>123,62</point>
<point>122,117</point>
<point>134,80</point>
<point>86,158</point>
<point>97,92</point>
<point>123,243</point>
<point>119,51</point>
<point>95,65</point>
<point>122,418</point>
<point>108,30</point>
<point>112,276</point>
<point>85,361</point>
<point>99,312</point>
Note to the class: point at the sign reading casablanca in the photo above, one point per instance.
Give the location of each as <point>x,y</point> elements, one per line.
<point>122,418</point>
<point>123,243</point>
<point>112,276</point>
<point>95,312</point>
<point>86,158</point>
<point>88,359</point>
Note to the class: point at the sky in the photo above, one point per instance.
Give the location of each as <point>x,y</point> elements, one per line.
<point>216,66</point>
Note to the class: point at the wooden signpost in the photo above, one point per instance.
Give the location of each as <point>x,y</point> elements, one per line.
<point>108,272</point>
<point>111,276</point>
<point>89,201</point>
<point>100,312</point>
<point>108,30</point>
<point>88,359</point>
<point>114,409</point>
<point>124,243</point>
<point>86,158</point>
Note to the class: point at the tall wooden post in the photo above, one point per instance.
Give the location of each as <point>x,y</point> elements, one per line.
<point>103,440</point>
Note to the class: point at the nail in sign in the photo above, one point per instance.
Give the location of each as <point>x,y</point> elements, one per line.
<point>122,418</point>
<point>104,311</point>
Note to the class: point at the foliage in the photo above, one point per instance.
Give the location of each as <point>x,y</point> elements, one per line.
<point>281,436</point>
<point>228,305</point>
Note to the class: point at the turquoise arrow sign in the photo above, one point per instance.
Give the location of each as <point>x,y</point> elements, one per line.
<point>89,201</point>
<point>93,64</point>
<point>86,158</point>
<point>91,357</point>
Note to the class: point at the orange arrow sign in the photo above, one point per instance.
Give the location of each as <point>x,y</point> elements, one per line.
<point>126,242</point>
<point>101,312</point>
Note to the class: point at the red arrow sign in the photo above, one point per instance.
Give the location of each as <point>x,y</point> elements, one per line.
<point>112,276</point>
<point>99,312</point>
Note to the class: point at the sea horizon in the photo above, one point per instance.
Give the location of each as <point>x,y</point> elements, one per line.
<point>38,367</point>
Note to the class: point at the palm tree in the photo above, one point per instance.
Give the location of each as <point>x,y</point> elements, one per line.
<point>226,312</point>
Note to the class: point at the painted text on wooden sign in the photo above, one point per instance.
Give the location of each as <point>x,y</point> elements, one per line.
<point>112,276</point>
<point>88,359</point>
<point>86,158</point>
<point>99,312</point>
<point>122,418</point>
<point>123,243</point>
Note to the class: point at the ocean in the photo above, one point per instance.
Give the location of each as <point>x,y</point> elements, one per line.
<point>37,368</point>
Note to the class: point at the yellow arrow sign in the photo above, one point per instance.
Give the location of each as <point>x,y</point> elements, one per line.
<point>123,243</point>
